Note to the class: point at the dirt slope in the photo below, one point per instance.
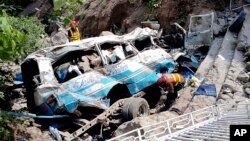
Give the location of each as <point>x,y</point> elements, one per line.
<point>102,15</point>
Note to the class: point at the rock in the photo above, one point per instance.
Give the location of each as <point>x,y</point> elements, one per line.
<point>239,94</point>
<point>17,93</point>
<point>241,46</point>
<point>103,15</point>
<point>216,29</point>
<point>105,33</point>
<point>37,135</point>
<point>151,24</point>
<point>247,91</point>
<point>247,85</point>
<point>230,95</point>
<point>231,102</point>
<point>228,88</point>
<point>238,98</point>
<point>248,66</point>
<point>38,8</point>
<point>247,54</point>
<point>19,104</point>
<point>224,97</point>
<point>144,121</point>
<point>222,22</point>
<point>220,101</point>
<point>243,77</point>
<point>200,101</point>
<point>226,91</point>
<point>242,103</point>
<point>59,37</point>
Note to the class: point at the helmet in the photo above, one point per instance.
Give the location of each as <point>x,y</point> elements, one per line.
<point>74,23</point>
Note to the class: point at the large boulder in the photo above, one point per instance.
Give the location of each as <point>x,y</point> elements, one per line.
<point>58,38</point>
<point>38,8</point>
<point>102,15</point>
<point>247,91</point>
<point>243,77</point>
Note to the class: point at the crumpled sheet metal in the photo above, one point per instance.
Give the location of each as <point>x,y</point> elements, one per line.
<point>56,52</point>
<point>87,89</point>
<point>200,31</point>
<point>92,88</point>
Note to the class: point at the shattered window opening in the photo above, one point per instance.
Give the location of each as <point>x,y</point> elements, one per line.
<point>143,44</point>
<point>76,63</point>
<point>115,52</point>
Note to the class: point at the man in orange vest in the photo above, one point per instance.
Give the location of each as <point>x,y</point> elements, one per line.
<point>73,32</point>
<point>170,84</point>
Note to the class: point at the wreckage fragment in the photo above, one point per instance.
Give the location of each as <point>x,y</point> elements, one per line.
<point>200,31</point>
<point>97,73</point>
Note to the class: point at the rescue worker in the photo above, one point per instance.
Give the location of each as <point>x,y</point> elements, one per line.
<point>73,32</point>
<point>170,84</point>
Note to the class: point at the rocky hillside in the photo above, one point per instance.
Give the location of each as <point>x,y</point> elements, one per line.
<point>96,16</point>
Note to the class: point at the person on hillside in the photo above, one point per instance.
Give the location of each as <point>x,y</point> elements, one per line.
<point>73,32</point>
<point>170,84</point>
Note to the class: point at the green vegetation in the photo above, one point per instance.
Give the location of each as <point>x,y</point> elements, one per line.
<point>12,125</point>
<point>65,10</point>
<point>12,41</point>
<point>19,36</point>
<point>153,4</point>
<point>5,131</point>
<point>32,28</point>
<point>182,20</point>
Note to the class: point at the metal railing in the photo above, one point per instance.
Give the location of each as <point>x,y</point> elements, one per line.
<point>181,123</point>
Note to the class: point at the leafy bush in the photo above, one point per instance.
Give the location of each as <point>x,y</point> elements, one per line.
<point>32,28</point>
<point>65,10</point>
<point>152,4</point>
<point>12,41</point>
<point>12,128</point>
<point>5,131</point>
<point>18,36</point>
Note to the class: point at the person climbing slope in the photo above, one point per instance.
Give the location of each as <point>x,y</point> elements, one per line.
<point>73,32</point>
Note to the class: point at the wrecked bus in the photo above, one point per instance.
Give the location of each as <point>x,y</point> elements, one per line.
<point>110,73</point>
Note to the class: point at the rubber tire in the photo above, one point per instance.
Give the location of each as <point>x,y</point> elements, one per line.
<point>132,106</point>
<point>238,22</point>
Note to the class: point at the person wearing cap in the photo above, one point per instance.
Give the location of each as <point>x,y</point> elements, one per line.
<point>170,84</point>
<point>73,32</point>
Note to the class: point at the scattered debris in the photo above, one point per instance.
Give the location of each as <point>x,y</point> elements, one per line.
<point>206,89</point>
<point>200,31</point>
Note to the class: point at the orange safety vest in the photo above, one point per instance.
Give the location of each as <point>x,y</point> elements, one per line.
<point>174,78</point>
<point>75,36</point>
